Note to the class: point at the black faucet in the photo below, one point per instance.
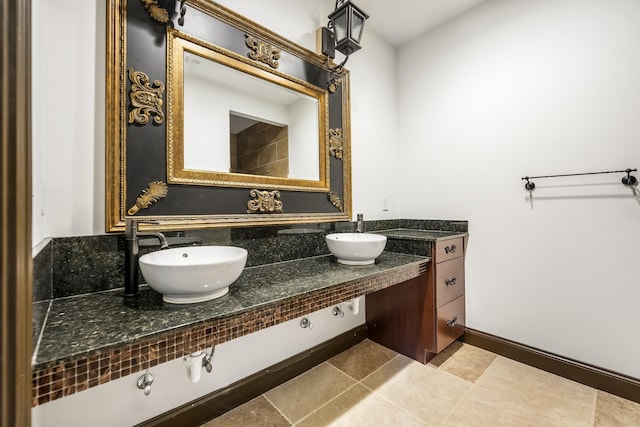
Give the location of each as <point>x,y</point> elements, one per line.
<point>131,268</point>
<point>360,224</point>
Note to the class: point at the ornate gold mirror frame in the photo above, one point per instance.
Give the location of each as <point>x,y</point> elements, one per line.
<point>143,122</point>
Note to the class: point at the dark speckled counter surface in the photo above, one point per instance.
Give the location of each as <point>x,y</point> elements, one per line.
<point>416,241</point>
<point>81,325</point>
<point>429,235</point>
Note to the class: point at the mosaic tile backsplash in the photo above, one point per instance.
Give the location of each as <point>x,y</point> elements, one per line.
<point>70,266</point>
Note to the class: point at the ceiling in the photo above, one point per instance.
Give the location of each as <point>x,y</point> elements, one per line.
<point>399,21</point>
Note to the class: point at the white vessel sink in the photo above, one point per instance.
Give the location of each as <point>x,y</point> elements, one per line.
<point>193,274</point>
<point>356,248</point>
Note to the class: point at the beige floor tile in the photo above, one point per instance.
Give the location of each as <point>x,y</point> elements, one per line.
<point>359,406</point>
<point>514,394</point>
<point>468,362</point>
<point>401,392</point>
<point>480,409</point>
<point>305,393</point>
<point>426,392</point>
<point>255,413</point>
<point>614,411</point>
<point>362,359</point>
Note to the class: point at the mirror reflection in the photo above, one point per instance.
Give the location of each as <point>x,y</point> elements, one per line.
<point>238,123</point>
<point>257,147</point>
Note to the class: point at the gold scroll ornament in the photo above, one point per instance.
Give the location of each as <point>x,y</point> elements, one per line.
<point>145,99</point>
<point>334,84</point>
<point>263,52</point>
<point>335,200</point>
<point>264,201</point>
<point>155,191</point>
<point>335,143</point>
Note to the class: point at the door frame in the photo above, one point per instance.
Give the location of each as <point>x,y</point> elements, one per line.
<point>16,286</point>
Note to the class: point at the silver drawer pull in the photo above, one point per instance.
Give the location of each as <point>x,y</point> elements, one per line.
<point>450,249</point>
<point>452,322</point>
<point>450,282</point>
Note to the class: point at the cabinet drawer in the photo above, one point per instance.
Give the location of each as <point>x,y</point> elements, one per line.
<point>449,281</point>
<point>449,249</point>
<point>450,323</point>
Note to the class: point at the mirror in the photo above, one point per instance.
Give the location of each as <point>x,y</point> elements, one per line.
<point>273,131</point>
<point>235,125</point>
<point>219,122</point>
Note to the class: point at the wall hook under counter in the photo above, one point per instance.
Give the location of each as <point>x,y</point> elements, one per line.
<point>305,323</point>
<point>144,382</point>
<point>628,181</point>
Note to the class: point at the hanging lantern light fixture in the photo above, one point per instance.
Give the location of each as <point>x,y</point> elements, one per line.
<point>343,33</point>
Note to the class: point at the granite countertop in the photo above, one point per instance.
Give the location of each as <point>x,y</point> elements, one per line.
<point>419,234</point>
<point>78,326</point>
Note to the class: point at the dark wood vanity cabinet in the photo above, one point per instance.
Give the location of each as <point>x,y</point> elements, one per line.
<point>422,316</point>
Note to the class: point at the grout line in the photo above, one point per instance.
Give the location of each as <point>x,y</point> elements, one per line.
<point>454,375</point>
<point>460,402</point>
<point>458,405</point>
<point>486,369</point>
<point>326,403</point>
<point>316,409</point>
<point>276,408</point>
<point>595,406</point>
<point>380,367</point>
<point>356,382</point>
<point>473,385</point>
<point>397,405</point>
<point>328,362</point>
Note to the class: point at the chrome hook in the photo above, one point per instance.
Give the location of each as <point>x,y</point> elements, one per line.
<point>306,323</point>
<point>144,382</point>
<point>206,361</point>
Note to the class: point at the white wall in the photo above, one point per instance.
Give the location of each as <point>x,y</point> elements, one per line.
<point>375,141</point>
<point>68,117</point>
<point>533,88</point>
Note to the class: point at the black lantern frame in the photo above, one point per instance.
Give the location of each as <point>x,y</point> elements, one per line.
<point>347,21</point>
<point>344,31</point>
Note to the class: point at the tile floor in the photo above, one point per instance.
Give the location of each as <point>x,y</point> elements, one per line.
<point>465,386</point>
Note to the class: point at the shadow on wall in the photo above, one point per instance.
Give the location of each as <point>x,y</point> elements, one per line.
<point>581,192</point>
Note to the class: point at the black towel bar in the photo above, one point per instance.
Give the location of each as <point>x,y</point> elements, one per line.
<point>628,181</point>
